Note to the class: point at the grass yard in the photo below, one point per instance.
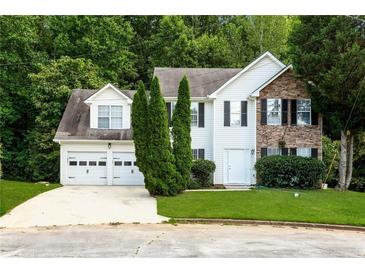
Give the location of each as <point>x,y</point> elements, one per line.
<point>13,193</point>
<point>315,206</point>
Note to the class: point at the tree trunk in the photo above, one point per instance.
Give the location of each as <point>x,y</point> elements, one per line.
<point>350,156</point>
<point>342,166</point>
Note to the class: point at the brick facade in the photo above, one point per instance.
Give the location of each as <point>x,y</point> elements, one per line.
<point>286,86</point>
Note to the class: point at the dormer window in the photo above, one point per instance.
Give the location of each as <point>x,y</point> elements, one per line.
<point>110,117</point>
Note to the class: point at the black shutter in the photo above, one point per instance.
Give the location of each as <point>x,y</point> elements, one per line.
<point>201,153</point>
<point>314,152</point>
<point>263,104</point>
<point>284,112</point>
<point>293,151</point>
<point>243,113</point>
<point>201,115</point>
<point>168,108</point>
<point>284,151</point>
<point>227,113</point>
<point>314,116</point>
<point>293,111</point>
<point>263,152</point>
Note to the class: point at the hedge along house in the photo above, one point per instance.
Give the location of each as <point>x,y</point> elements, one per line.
<point>237,115</point>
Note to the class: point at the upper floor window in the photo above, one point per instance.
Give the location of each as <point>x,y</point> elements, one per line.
<point>110,117</point>
<point>194,109</point>
<point>303,111</point>
<point>236,113</point>
<point>273,111</point>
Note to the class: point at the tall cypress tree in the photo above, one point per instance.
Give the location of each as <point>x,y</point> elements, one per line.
<point>139,125</point>
<point>181,121</point>
<point>161,178</point>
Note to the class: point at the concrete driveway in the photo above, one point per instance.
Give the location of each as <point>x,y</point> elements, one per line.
<point>183,240</point>
<point>73,205</point>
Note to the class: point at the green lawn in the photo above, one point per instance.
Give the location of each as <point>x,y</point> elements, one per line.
<point>13,193</point>
<point>315,206</point>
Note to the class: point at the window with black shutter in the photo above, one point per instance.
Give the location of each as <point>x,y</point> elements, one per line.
<point>263,151</point>
<point>284,112</point>
<point>201,115</point>
<point>243,113</point>
<point>314,152</point>
<point>284,151</point>
<point>201,153</point>
<point>293,112</point>
<point>263,104</point>
<point>293,151</point>
<point>227,113</point>
<point>314,117</point>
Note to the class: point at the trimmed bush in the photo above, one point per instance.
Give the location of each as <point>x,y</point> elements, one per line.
<point>290,171</point>
<point>201,172</point>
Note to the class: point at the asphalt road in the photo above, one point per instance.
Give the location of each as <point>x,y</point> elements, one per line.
<point>188,240</point>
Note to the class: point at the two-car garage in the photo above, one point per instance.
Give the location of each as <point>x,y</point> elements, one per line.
<point>101,168</point>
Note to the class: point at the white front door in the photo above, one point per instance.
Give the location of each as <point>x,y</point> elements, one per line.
<point>125,171</point>
<point>237,166</point>
<point>86,168</point>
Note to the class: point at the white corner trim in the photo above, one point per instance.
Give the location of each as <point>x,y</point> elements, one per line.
<point>266,54</point>
<point>256,92</point>
<point>109,85</point>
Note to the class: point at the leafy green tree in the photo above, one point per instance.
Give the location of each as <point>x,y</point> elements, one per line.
<point>181,122</point>
<point>51,88</point>
<point>161,177</point>
<point>106,40</point>
<point>140,126</point>
<point>20,53</point>
<point>328,53</point>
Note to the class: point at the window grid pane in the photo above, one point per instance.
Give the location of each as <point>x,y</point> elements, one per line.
<point>304,112</point>
<point>235,113</point>
<point>103,122</point>
<point>116,111</point>
<point>194,114</point>
<point>195,154</point>
<point>116,122</point>
<point>273,151</point>
<point>103,111</point>
<point>304,151</point>
<point>273,111</point>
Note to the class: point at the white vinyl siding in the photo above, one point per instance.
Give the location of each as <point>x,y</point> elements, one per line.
<point>226,138</point>
<point>273,111</point>
<point>303,111</point>
<point>304,151</point>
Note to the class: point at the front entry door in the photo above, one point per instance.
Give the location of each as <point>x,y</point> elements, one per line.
<point>237,166</point>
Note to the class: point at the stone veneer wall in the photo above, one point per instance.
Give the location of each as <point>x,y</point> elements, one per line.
<point>286,86</point>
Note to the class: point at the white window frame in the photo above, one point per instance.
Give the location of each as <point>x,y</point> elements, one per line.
<point>304,152</point>
<point>195,153</point>
<point>273,151</point>
<point>269,112</point>
<point>173,104</point>
<point>238,113</point>
<point>197,113</point>
<point>110,116</point>
<point>299,122</point>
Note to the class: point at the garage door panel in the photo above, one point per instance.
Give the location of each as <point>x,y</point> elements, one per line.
<point>87,168</point>
<point>125,170</point>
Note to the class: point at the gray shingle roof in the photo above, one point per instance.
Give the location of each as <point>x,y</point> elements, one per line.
<point>202,81</point>
<point>75,122</point>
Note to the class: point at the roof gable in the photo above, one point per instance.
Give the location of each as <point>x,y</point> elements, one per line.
<point>105,89</point>
<point>247,68</point>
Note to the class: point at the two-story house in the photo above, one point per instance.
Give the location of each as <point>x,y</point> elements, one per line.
<point>237,116</point>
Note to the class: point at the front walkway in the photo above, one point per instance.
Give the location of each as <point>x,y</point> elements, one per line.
<point>73,205</point>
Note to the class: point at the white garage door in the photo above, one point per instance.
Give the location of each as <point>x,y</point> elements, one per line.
<point>125,171</point>
<point>87,168</point>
